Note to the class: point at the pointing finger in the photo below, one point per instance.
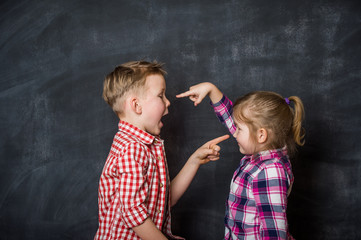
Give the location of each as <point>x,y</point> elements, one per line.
<point>217,140</point>
<point>185,94</point>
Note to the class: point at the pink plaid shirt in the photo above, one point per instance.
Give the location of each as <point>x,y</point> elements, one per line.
<point>134,185</point>
<point>257,202</point>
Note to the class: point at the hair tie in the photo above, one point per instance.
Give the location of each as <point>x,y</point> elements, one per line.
<point>287,101</point>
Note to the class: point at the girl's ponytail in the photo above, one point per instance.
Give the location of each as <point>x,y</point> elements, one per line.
<point>299,114</point>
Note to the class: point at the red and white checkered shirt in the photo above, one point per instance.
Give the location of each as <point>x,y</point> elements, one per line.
<point>134,185</point>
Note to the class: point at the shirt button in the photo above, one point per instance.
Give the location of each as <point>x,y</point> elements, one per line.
<point>159,211</point>
<point>161,184</point>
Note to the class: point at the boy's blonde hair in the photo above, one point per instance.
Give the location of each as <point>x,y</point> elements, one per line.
<point>271,111</point>
<point>126,77</point>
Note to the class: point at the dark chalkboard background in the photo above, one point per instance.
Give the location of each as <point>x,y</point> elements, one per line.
<point>56,130</point>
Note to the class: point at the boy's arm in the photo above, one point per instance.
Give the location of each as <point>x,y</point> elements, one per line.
<point>208,152</point>
<point>147,230</point>
<point>133,193</point>
<point>270,193</point>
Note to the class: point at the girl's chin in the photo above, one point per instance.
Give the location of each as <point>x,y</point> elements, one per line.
<point>241,150</point>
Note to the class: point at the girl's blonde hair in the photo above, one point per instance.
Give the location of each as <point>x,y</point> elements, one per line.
<point>269,110</point>
<point>126,77</point>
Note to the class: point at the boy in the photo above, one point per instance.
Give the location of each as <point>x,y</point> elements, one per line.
<point>135,193</point>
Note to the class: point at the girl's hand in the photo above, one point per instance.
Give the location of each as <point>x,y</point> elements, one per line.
<point>198,92</point>
<point>208,152</point>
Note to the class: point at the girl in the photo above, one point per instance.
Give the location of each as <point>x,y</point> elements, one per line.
<point>267,130</point>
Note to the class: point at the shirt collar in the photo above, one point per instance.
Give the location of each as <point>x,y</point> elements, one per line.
<point>268,154</point>
<point>143,136</point>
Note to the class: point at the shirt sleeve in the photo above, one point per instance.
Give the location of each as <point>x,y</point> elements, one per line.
<point>223,110</point>
<point>133,185</point>
<point>270,193</point>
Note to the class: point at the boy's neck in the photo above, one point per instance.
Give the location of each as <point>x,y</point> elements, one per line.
<point>132,121</point>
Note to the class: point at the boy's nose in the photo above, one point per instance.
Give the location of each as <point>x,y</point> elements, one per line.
<point>167,102</point>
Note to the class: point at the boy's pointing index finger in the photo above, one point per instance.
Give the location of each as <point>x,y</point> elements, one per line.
<point>217,140</point>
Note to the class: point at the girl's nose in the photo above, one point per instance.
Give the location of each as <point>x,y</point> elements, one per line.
<point>235,134</point>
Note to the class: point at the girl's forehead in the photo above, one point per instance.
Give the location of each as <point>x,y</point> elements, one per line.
<point>239,121</point>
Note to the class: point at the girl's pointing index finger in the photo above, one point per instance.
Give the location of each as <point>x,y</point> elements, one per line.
<point>184,94</point>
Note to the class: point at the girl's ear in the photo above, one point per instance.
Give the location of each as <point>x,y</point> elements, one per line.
<point>262,135</point>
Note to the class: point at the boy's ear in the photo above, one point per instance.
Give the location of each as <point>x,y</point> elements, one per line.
<point>135,106</point>
<point>262,135</point>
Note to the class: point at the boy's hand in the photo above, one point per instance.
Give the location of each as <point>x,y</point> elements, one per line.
<point>208,152</point>
<point>198,92</point>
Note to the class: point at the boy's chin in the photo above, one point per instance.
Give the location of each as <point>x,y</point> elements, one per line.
<point>156,131</point>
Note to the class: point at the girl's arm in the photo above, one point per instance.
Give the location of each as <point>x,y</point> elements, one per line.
<point>223,107</point>
<point>208,152</point>
<point>198,92</point>
<point>224,110</point>
<point>270,193</point>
